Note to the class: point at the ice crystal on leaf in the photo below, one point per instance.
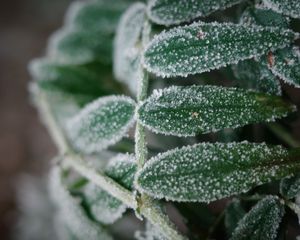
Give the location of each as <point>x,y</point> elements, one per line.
<point>101,123</point>
<point>206,172</point>
<point>180,51</point>
<point>262,222</point>
<point>71,213</point>
<point>168,12</point>
<point>127,46</point>
<point>186,111</point>
<point>287,7</point>
<point>290,186</point>
<point>286,65</point>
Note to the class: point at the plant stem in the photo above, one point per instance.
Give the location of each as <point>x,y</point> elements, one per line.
<point>281,133</point>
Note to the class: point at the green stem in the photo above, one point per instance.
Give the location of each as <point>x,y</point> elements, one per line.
<point>281,133</point>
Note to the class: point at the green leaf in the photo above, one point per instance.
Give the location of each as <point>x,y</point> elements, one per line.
<point>264,17</point>
<point>262,222</point>
<point>122,169</point>
<point>187,111</point>
<point>207,172</point>
<point>201,47</point>
<point>256,75</point>
<point>290,186</point>
<point>77,80</point>
<point>127,46</point>
<point>71,213</point>
<point>288,7</point>
<point>102,206</point>
<point>285,64</point>
<point>168,12</point>
<point>101,123</point>
<point>95,16</point>
<point>233,214</point>
<point>69,46</point>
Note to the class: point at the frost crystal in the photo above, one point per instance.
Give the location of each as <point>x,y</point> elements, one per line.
<point>288,7</point>
<point>262,222</point>
<point>127,47</point>
<point>71,214</point>
<point>168,12</point>
<point>101,123</point>
<point>180,51</point>
<point>207,172</point>
<point>186,111</point>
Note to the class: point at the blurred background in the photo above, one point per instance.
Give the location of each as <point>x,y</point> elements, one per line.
<point>25,146</point>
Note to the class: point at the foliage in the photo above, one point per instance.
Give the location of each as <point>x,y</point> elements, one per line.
<point>166,55</point>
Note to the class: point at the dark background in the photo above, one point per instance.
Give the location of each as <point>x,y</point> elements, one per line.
<point>25,145</point>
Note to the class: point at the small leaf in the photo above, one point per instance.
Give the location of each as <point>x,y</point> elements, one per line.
<point>290,186</point>
<point>71,213</point>
<point>101,123</point>
<point>264,17</point>
<point>201,47</point>
<point>233,214</point>
<point>69,46</point>
<point>256,75</point>
<point>122,169</point>
<point>78,80</point>
<point>262,222</point>
<point>285,64</point>
<point>207,172</point>
<point>103,207</point>
<point>288,7</point>
<point>186,111</point>
<point>127,48</point>
<point>95,16</point>
<point>168,12</point>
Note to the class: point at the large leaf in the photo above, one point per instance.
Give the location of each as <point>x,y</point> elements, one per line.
<point>69,46</point>
<point>290,186</point>
<point>186,111</point>
<point>95,16</point>
<point>127,46</point>
<point>168,12</point>
<point>78,80</point>
<point>101,123</point>
<point>262,222</point>
<point>285,64</point>
<point>207,172</point>
<point>256,75</point>
<point>201,47</point>
<point>288,7</point>
<point>71,213</point>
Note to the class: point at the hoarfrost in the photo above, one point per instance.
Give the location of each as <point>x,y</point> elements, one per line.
<point>288,7</point>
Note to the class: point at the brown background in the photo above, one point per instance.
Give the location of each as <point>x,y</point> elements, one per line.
<point>25,146</point>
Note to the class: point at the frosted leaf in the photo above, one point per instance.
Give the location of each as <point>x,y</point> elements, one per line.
<point>201,47</point>
<point>78,80</point>
<point>151,233</point>
<point>207,172</point>
<point>103,207</point>
<point>168,12</point>
<point>290,186</point>
<point>262,222</point>
<point>264,17</point>
<point>187,111</point>
<point>95,15</point>
<point>122,169</point>
<point>287,7</point>
<point>285,64</point>
<point>69,46</point>
<point>71,213</point>
<point>127,47</point>
<point>256,75</point>
<point>101,123</point>
<point>233,214</point>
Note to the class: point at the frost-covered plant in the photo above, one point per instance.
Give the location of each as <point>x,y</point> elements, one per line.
<point>125,92</point>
